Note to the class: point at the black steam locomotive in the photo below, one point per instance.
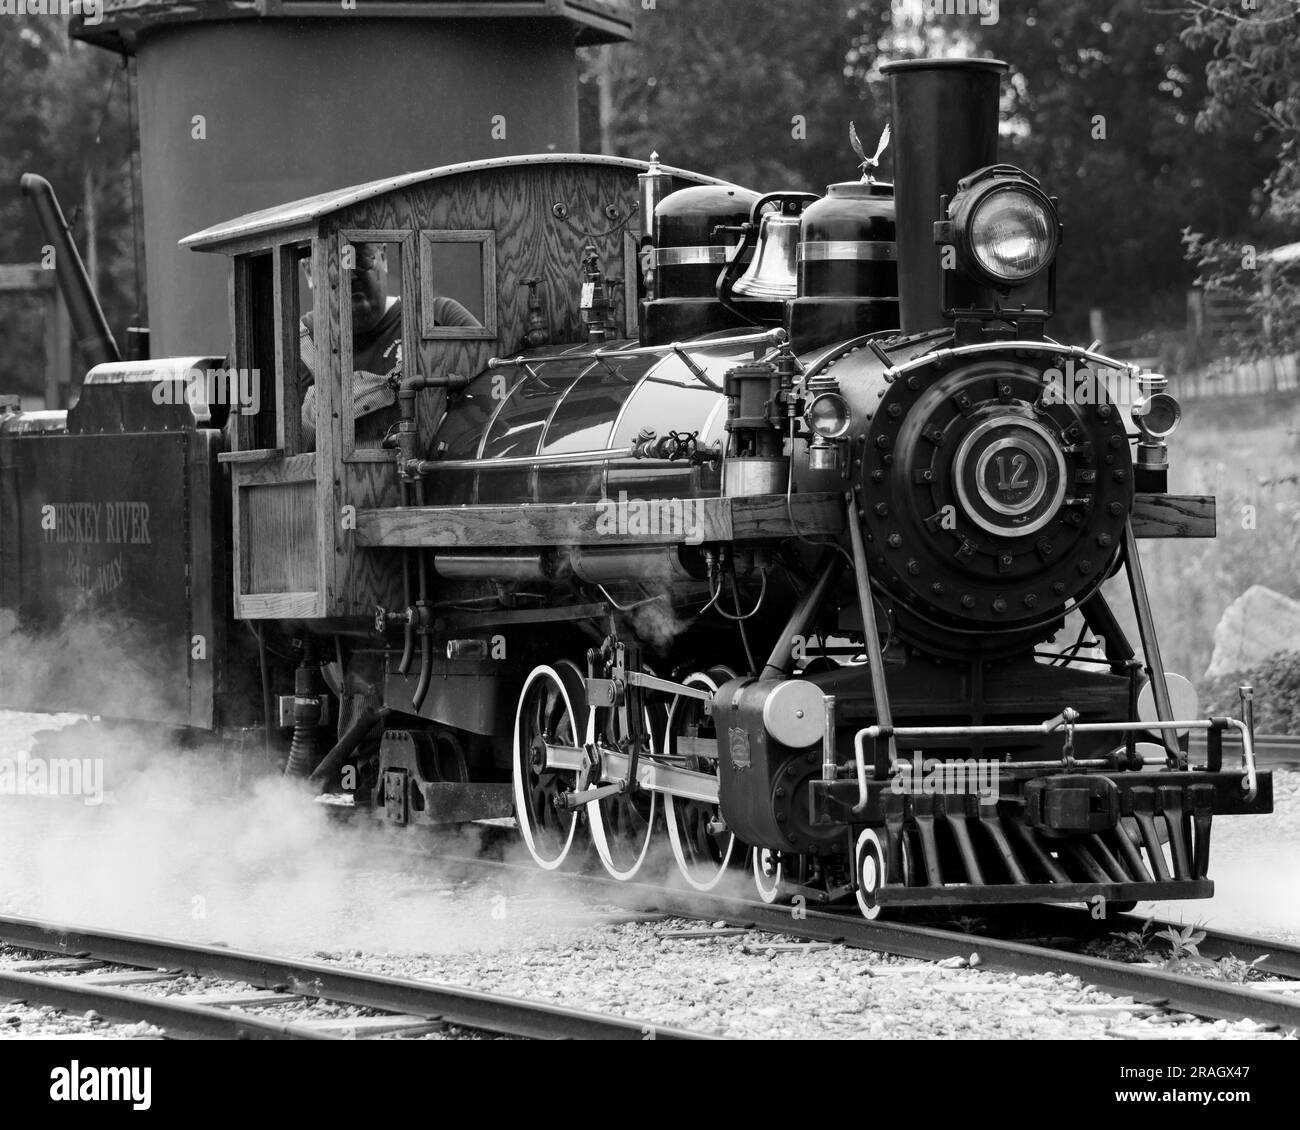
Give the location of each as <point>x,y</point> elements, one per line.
<point>741,519</point>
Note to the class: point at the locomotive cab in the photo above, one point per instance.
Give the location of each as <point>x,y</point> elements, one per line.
<point>453,233</point>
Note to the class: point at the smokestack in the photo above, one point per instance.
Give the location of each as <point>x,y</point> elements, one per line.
<point>94,338</point>
<point>945,125</point>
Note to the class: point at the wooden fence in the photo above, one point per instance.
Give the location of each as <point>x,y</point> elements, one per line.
<point>1245,378</point>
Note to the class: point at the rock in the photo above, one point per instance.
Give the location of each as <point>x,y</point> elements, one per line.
<point>1257,625</point>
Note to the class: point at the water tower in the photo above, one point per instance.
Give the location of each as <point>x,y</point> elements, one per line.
<point>244,105</point>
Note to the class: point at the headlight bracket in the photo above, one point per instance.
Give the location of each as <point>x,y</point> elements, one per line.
<point>971,292</point>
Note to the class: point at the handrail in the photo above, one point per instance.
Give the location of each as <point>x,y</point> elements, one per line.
<point>776,336</point>
<point>940,355</point>
<point>1049,726</point>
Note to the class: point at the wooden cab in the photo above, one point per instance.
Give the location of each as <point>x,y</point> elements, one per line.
<point>488,234</point>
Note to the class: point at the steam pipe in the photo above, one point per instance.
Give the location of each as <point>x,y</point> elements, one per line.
<point>1150,645</point>
<point>408,436</point>
<point>945,124</point>
<point>781,661</point>
<point>408,629</point>
<point>94,338</point>
<point>871,634</point>
<point>426,640</point>
<point>361,725</point>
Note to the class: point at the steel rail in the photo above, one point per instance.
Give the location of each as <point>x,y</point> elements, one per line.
<point>1195,995</point>
<point>1270,749</point>
<point>463,1007</point>
<point>1278,957</point>
<point>175,1016</point>
<point>1181,992</point>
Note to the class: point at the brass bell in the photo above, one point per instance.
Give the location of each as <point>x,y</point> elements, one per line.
<point>774,273</point>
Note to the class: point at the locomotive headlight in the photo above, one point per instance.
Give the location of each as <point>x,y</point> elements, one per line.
<point>1157,415</point>
<point>1005,228</point>
<point>828,415</point>
<point>1012,235</point>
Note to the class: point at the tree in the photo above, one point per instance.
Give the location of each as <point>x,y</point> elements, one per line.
<point>1101,105</point>
<point>65,116</point>
<point>759,92</point>
<point>1254,66</point>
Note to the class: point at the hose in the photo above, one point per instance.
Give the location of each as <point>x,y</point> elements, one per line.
<point>306,714</point>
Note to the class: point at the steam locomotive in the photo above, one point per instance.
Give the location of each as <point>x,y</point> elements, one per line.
<point>738,521</point>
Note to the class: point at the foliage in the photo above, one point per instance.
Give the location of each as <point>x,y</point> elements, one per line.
<point>64,115</point>
<point>1129,945</point>
<point>1102,102</point>
<point>1182,943</point>
<point>1184,956</point>
<point>1276,683</point>
<point>717,86</point>
<point>1254,65</point>
<point>762,92</point>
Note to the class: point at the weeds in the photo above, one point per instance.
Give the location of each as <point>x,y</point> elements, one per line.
<point>1142,947</point>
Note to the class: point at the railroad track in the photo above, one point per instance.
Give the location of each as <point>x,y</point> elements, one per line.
<point>1278,1004</point>
<point>1277,958</point>
<point>1271,750</point>
<point>96,970</point>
